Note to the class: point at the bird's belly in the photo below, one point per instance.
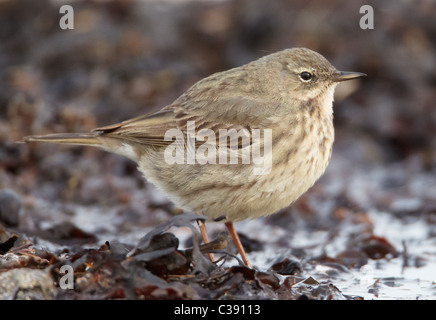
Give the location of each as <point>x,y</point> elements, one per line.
<point>232,190</point>
<point>285,183</point>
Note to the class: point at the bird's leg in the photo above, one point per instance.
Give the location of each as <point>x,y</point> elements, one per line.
<point>203,231</point>
<point>238,243</point>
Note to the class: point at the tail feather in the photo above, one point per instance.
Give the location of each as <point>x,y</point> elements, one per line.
<point>67,138</point>
<point>95,139</point>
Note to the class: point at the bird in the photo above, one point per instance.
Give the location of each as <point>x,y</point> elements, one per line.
<point>280,104</point>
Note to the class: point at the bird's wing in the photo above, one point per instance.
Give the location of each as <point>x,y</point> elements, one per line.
<point>152,129</point>
<point>146,129</point>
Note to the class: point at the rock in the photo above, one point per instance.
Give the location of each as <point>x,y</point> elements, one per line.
<point>10,205</point>
<point>26,284</point>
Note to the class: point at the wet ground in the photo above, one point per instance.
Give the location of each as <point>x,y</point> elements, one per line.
<point>366,230</point>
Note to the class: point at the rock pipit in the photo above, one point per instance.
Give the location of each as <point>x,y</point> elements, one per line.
<point>280,105</point>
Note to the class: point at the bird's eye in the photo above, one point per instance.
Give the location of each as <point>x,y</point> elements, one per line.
<point>305,76</point>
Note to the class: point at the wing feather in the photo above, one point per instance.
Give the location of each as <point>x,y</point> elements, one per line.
<point>151,129</point>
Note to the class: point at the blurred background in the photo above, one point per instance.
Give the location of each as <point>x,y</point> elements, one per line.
<point>126,58</point>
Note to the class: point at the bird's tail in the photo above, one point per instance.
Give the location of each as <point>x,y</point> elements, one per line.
<point>86,139</point>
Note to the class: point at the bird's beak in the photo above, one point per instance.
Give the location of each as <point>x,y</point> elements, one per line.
<point>347,75</point>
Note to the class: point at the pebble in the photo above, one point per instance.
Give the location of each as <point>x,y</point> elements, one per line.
<point>10,205</point>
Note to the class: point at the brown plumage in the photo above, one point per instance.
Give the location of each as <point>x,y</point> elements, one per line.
<point>288,93</point>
